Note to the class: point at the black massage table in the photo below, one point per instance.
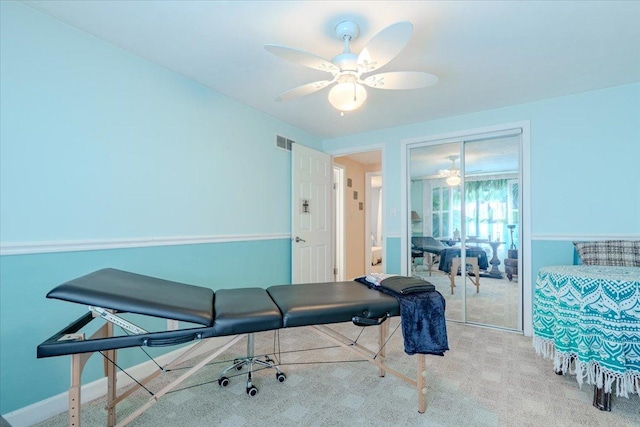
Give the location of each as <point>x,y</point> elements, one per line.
<point>422,245</point>
<point>227,312</point>
<point>448,254</point>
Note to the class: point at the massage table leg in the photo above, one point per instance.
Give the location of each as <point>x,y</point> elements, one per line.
<point>418,384</point>
<point>382,337</point>
<point>421,369</point>
<point>78,361</point>
<point>455,264</point>
<point>111,387</point>
<point>74,391</point>
<point>110,372</point>
<point>476,271</point>
<point>421,383</point>
<point>431,261</point>
<point>453,272</point>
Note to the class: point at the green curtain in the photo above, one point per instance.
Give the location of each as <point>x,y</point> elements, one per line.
<point>487,207</point>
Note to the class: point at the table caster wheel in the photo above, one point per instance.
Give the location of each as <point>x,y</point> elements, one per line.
<point>281,377</point>
<point>223,381</point>
<point>252,391</point>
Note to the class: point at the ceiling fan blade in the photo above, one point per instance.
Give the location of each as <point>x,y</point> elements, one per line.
<point>300,57</point>
<point>303,90</point>
<point>385,45</point>
<point>401,80</point>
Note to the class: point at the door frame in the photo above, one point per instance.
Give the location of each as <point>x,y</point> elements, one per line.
<point>524,268</point>
<point>338,222</point>
<point>368,176</point>
<point>383,153</point>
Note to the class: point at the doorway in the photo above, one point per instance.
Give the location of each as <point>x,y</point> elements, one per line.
<point>373,222</point>
<point>355,225</point>
<point>465,196</point>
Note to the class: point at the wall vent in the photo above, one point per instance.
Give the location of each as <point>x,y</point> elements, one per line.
<point>284,143</point>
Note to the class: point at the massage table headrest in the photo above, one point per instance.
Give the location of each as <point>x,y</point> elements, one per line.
<point>136,293</point>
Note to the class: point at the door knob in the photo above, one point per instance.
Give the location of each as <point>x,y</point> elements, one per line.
<point>298,239</point>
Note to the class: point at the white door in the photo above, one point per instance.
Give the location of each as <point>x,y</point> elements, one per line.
<point>311,255</point>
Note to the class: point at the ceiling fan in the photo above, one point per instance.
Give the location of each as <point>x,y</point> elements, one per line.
<point>452,174</point>
<point>349,70</point>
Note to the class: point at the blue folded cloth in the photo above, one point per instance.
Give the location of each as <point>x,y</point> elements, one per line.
<point>421,309</point>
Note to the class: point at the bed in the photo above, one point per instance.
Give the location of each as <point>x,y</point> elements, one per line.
<point>376,255</point>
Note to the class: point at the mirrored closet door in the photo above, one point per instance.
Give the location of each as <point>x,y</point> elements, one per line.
<point>464,233</point>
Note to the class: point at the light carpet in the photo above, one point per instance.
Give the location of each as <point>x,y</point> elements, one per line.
<point>496,304</point>
<point>488,378</point>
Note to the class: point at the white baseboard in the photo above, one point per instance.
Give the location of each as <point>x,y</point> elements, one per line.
<point>45,409</point>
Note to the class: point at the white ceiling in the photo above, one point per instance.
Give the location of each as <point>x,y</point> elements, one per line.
<point>486,157</point>
<point>486,54</point>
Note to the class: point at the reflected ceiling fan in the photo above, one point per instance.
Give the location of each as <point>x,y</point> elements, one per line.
<point>451,175</point>
<point>349,70</point>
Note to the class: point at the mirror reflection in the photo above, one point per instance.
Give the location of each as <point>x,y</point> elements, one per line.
<point>464,204</point>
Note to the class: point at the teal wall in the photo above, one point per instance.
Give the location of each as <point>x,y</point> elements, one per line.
<point>97,144</point>
<point>551,252</point>
<point>392,251</point>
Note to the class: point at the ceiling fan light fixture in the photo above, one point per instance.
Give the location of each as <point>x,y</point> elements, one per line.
<point>347,96</point>
<point>453,180</point>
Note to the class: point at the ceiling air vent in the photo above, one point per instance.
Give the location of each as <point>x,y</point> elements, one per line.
<point>284,143</point>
